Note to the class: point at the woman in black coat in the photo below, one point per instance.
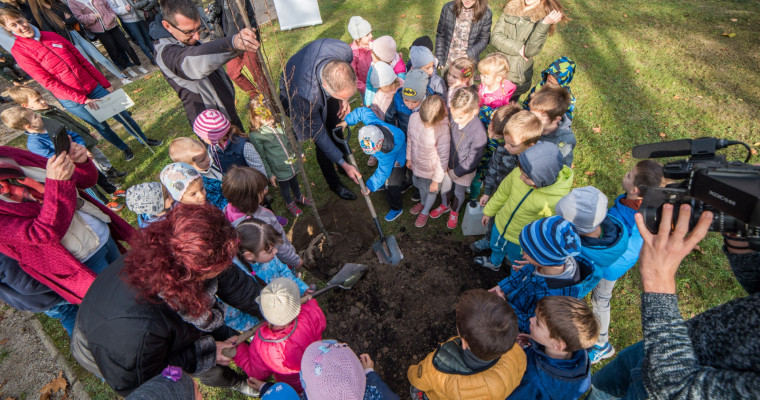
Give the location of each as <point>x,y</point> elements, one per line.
<point>464,30</point>
<point>158,306</point>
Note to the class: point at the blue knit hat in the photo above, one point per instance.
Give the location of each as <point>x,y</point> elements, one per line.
<point>550,241</point>
<point>280,391</point>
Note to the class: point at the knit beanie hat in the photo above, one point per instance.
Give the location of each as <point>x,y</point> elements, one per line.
<point>585,207</point>
<point>280,391</point>
<point>423,41</point>
<point>415,85</point>
<point>145,198</point>
<point>369,138</point>
<point>542,163</point>
<point>358,27</point>
<point>331,370</point>
<point>172,384</point>
<point>384,48</point>
<point>280,301</point>
<point>550,241</point>
<point>420,56</point>
<point>211,125</point>
<point>176,177</point>
<point>382,75</point>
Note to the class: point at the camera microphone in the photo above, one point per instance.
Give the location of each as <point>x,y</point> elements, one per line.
<point>682,147</point>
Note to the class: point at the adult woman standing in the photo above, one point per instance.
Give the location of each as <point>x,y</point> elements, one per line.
<point>100,19</point>
<point>55,16</point>
<point>133,18</point>
<point>521,33</point>
<point>158,305</point>
<point>60,236</point>
<point>464,29</point>
<point>59,67</point>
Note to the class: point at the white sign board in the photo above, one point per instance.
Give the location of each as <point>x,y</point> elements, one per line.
<point>297,13</point>
<point>111,105</point>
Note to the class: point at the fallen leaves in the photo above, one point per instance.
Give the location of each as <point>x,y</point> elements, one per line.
<point>590,173</point>
<point>597,129</point>
<point>4,341</point>
<point>137,90</point>
<point>729,34</point>
<point>56,385</point>
<point>662,135</point>
<point>734,19</point>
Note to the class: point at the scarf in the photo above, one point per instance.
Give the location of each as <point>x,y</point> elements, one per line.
<point>17,187</point>
<point>210,319</point>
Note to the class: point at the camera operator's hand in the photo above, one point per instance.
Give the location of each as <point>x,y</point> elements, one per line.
<point>662,253</point>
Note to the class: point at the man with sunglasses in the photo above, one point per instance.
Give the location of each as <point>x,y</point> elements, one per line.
<point>194,70</point>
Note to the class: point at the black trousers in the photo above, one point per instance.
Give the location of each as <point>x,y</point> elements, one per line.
<point>327,166</point>
<point>394,186</point>
<point>118,48</point>
<point>220,376</point>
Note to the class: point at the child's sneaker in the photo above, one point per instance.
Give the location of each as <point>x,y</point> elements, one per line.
<point>599,353</point>
<point>114,206</point>
<point>453,220</point>
<point>282,220</point>
<point>372,161</point>
<point>393,214</point>
<point>416,196</point>
<point>485,261</point>
<point>293,208</point>
<point>440,210</point>
<point>304,201</point>
<point>118,193</point>
<point>480,245</point>
<point>421,220</point>
<point>416,209</point>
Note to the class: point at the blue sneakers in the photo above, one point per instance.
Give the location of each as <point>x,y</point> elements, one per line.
<point>393,214</point>
<point>598,353</point>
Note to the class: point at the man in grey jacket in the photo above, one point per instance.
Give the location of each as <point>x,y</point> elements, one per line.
<point>194,70</point>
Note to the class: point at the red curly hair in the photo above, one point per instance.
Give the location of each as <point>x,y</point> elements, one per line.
<point>175,256</point>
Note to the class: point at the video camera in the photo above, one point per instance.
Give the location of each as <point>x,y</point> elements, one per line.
<point>731,190</point>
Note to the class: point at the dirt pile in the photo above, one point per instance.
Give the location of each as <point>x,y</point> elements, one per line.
<point>397,314</point>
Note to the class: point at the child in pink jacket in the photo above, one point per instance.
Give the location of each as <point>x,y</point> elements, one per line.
<point>427,153</point>
<point>278,346</point>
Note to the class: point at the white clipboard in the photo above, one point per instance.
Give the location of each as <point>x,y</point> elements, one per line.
<point>111,105</point>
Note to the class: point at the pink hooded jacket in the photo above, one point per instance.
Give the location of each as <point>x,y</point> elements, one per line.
<point>89,19</point>
<point>428,148</point>
<point>279,353</point>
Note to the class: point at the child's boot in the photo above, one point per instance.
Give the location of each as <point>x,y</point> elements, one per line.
<point>485,261</point>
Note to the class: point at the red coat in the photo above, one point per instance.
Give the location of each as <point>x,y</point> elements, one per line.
<point>282,359</point>
<point>58,66</point>
<point>31,232</point>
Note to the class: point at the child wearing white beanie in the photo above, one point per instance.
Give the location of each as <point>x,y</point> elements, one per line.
<point>361,45</point>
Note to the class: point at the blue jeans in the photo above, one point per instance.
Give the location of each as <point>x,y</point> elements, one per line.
<point>90,52</point>
<point>66,313</point>
<point>501,247</point>
<point>139,31</point>
<point>621,378</point>
<point>123,118</point>
<point>103,257</point>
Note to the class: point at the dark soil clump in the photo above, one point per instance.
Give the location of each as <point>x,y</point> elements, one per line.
<point>396,314</point>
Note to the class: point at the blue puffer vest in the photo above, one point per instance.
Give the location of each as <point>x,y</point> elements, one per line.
<point>232,154</point>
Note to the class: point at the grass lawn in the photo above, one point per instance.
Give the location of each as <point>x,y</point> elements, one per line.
<point>647,71</point>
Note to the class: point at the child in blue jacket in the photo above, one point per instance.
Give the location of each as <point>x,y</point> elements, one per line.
<point>558,366</point>
<point>388,144</point>
<point>552,265</point>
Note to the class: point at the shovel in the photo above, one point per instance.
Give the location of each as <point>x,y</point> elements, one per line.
<point>346,278</point>
<point>386,248</point>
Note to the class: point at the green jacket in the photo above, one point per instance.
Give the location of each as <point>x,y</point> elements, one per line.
<point>273,147</point>
<point>512,32</point>
<point>516,204</point>
<point>71,124</point>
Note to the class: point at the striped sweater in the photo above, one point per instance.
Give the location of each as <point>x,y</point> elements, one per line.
<point>715,354</point>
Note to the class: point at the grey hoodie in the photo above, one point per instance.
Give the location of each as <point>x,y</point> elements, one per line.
<point>564,138</point>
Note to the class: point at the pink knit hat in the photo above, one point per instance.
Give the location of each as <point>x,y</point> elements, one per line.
<point>211,125</point>
<point>384,48</point>
<point>331,370</point>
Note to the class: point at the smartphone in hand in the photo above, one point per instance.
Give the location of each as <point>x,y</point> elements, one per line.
<point>58,135</point>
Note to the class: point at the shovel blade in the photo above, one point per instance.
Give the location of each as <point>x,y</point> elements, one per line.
<point>348,275</point>
<point>388,251</point>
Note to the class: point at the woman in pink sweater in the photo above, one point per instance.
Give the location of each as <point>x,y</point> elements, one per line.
<point>427,153</point>
<point>277,347</point>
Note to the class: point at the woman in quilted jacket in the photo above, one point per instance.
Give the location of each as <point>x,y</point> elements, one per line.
<point>521,33</point>
<point>60,68</point>
<point>464,30</point>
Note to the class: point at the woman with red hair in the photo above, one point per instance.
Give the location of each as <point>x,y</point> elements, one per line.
<point>158,306</point>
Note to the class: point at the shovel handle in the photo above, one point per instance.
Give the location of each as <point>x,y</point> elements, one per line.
<point>337,134</point>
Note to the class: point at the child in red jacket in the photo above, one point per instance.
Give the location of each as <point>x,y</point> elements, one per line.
<point>278,346</point>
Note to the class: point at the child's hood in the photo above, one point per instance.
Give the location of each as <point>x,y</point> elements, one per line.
<point>562,68</point>
<point>562,185</point>
<point>562,378</point>
<point>388,141</point>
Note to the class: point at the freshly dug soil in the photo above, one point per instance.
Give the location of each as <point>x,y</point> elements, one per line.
<point>396,314</point>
